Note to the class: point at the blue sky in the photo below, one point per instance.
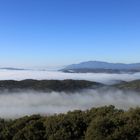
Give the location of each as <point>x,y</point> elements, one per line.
<point>60,32</point>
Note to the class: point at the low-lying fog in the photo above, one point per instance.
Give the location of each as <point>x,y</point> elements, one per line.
<point>36,74</point>
<point>13,105</point>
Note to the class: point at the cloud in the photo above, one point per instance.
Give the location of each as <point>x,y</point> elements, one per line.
<point>13,105</point>
<point>98,77</point>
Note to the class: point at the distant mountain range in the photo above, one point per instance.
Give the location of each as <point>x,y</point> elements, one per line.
<point>105,67</point>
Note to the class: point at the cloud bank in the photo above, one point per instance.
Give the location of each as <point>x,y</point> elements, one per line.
<point>35,74</point>
<point>14,105</point>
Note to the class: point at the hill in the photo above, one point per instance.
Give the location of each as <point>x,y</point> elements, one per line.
<point>47,85</point>
<point>132,85</point>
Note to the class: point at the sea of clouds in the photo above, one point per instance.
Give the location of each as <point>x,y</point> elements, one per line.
<point>39,75</point>
<point>13,105</point>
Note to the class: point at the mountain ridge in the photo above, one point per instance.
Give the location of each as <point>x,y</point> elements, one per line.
<point>101,66</point>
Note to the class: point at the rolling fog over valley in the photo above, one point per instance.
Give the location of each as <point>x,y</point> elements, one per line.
<point>105,78</point>
<point>63,96</point>
<point>14,105</point>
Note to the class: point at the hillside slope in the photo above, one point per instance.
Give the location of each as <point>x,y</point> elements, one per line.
<point>47,85</point>
<point>132,85</point>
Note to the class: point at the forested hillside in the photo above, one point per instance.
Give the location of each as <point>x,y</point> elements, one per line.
<point>104,123</point>
<point>47,85</point>
<point>132,85</point>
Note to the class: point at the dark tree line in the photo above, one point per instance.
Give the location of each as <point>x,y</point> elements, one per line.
<point>46,85</point>
<point>104,123</point>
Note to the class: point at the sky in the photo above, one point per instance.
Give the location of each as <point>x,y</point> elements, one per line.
<point>49,33</point>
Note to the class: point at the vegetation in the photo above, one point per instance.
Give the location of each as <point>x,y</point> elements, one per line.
<point>104,123</point>
<point>132,85</point>
<point>63,85</point>
<point>46,85</point>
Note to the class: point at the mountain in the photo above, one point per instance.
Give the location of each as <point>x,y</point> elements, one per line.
<point>98,66</point>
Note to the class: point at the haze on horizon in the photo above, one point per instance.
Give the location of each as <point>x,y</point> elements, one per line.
<point>57,33</point>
